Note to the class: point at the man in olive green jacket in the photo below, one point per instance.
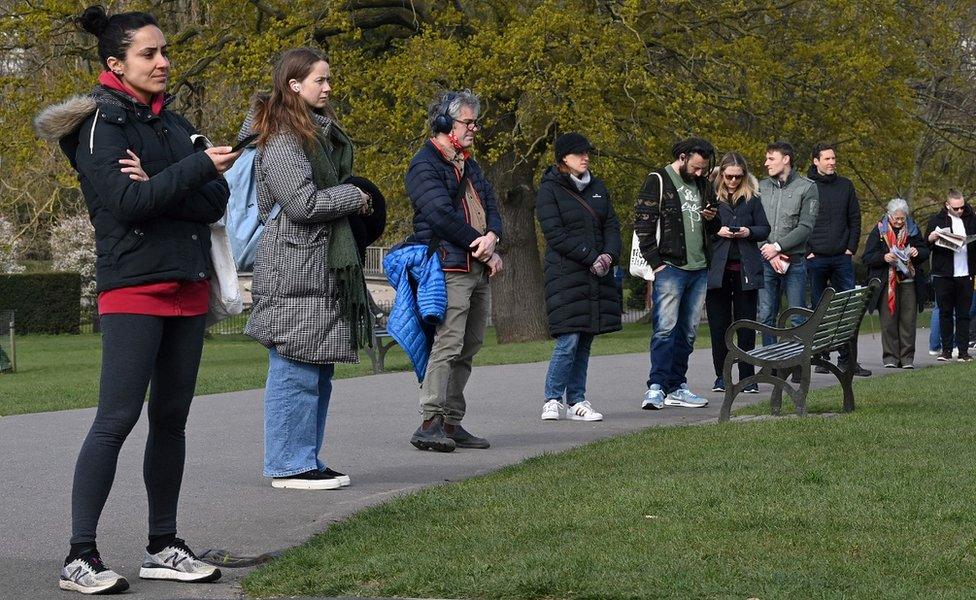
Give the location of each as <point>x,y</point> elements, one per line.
<point>791,202</point>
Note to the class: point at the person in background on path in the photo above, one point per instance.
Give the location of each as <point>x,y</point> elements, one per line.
<point>736,271</point>
<point>150,195</point>
<point>835,236</point>
<point>791,204</point>
<point>454,203</point>
<point>952,274</point>
<point>895,238</point>
<point>311,307</point>
<point>674,220</point>
<point>582,244</point>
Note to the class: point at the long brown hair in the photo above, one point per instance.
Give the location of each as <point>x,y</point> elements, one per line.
<point>284,110</point>
<point>747,187</point>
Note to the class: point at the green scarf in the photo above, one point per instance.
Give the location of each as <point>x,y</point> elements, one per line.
<point>331,160</point>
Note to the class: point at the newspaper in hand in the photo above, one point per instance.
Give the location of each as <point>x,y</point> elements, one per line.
<point>901,265</point>
<point>952,241</point>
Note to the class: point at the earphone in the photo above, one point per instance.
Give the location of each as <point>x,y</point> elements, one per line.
<point>296,87</point>
<point>443,122</point>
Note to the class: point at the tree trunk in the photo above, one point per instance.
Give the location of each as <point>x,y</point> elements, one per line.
<point>517,300</point>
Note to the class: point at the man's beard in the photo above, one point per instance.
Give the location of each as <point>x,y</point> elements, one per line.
<point>686,176</point>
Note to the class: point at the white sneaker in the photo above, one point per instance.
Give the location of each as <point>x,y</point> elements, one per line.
<point>582,411</point>
<point>87,574</point>
<point>553,410</point>
<point>653,398</point>
<point>935,352</point>
<point>685,397</point>
<point>176,562</point>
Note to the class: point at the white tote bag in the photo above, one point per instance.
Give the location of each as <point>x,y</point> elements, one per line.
<point>225,291</point>
<point>639,266</point>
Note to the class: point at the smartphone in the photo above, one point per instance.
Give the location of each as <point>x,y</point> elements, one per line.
<point>734,229</point>
<point>243,143</point>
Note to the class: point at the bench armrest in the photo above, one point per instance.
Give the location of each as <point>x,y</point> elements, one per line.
<point>730,335</point>
<point>793,310</point>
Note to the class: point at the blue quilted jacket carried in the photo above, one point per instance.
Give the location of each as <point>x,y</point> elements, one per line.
<point>432,185</point>
<point>421,301</point>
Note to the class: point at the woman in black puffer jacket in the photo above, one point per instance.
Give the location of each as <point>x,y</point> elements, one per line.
<point>150,196</point>
<point>582,245</point>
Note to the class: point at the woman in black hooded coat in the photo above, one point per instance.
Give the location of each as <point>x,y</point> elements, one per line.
<point>582,244</point>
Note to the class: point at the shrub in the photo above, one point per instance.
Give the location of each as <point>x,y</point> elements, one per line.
<point>44,302</point>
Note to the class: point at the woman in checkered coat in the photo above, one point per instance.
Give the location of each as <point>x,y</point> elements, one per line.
<point>310,306</point>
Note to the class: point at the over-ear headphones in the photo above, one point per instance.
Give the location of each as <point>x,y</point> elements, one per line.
<point>443,122</point>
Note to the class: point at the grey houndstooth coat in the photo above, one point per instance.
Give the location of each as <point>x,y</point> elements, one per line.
<point>296,310</point>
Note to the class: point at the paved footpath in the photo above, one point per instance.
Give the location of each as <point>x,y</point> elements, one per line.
<point>226,503</point>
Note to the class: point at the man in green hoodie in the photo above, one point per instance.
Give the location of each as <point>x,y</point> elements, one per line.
<point>791,203</point>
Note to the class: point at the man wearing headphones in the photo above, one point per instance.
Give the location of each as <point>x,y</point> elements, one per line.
<point>454,207</point>
<point>674,217</point>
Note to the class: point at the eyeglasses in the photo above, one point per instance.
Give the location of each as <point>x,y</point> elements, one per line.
<point>469,123</point>
<point>732,177</point>
<point>957,208</point>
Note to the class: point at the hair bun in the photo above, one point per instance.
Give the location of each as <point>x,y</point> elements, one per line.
<point>94,20</point>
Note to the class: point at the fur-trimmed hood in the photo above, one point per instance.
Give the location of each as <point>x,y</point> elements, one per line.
<point>58,121</point>
<point>61,120</point>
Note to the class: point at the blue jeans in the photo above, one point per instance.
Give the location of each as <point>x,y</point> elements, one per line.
<point>567,367</point>
<point>793,283</point>
<point>935,337</point>
<point>835,271</point>
<point>678,299</point>
<point>296,402</point>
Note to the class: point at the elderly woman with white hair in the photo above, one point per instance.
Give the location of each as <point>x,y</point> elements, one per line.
<point>895,253</point>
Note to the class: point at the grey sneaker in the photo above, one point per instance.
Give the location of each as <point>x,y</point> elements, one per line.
<point>653,398</point>
<point>87,574</point>
<point>176,562</point>
<point>685,397</point>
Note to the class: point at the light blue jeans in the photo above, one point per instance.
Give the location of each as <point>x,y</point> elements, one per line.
<point>296,402</point>
<point>793,283</point>
<point>567,367</point>
<point>678,299</point>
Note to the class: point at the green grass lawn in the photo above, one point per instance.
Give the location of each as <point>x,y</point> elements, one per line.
<point>61,372</point>
<point>875,504</point>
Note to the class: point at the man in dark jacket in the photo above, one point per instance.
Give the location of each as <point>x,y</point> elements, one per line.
<point>674,216</point>
<point>454,210</point>
<point>952,272</point>
<point>835,236</point>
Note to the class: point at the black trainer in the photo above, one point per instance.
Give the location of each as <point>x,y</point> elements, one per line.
<point>463,438</point>
<point>430,436</point>
<point>309,480</point>
<point>344,479</point>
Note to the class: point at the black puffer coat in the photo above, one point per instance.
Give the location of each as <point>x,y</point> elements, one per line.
<point>577,300</point>
<point>145,231</point>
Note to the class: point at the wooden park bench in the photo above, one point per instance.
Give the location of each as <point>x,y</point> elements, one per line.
<point>834,324</point>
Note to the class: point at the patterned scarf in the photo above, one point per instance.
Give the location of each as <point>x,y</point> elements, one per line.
<point>894,240</point>
<point>332,164</point>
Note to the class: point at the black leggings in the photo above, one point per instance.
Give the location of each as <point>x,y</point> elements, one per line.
<point>137,349</point>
